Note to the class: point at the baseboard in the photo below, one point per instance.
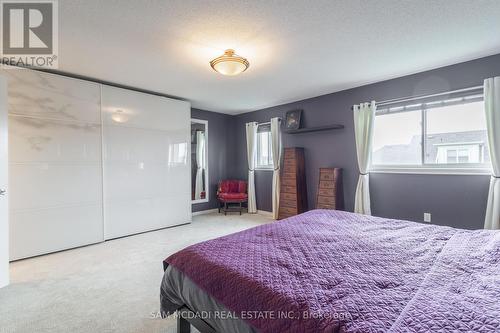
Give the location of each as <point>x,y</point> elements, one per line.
<point>265,213</point>
<point>209,211</point>
<point>4,281</point>
<point>203,212</point>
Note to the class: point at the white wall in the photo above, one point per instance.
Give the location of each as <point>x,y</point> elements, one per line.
<point>4,211</point>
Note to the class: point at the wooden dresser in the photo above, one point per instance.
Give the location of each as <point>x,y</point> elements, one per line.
<point>293,194</point>
<point>330,189</point>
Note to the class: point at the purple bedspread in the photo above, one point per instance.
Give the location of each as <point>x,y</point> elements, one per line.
<point>332,271</point>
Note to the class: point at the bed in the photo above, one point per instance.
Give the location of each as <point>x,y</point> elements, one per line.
<point>333,271</point>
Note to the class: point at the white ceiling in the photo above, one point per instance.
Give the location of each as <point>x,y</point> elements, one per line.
<point>296,49</point>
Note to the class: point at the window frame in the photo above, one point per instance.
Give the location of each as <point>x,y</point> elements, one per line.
<point>432,168</point>
<point>257,149</point>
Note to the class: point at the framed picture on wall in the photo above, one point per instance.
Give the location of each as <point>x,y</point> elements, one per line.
<point>292,121</point>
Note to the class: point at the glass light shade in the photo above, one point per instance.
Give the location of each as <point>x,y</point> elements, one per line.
<point>229,64</point>
<point>229,67</point>
<point>119,117</point>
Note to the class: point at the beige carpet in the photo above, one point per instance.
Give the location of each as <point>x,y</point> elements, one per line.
<point>107,287</point>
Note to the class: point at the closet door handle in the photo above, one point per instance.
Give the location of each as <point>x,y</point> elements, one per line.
<point>2,192</point>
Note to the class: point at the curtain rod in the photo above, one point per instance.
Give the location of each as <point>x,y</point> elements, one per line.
<point>407,99</point>
<point>268,122</point>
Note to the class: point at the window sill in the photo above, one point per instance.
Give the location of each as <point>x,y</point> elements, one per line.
<point>264,169</point>
<point>434,171</point>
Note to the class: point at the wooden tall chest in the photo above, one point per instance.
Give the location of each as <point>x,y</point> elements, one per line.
<point>293,194</point>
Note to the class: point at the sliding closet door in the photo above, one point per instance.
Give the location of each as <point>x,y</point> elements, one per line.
<point>4,213</point>
<point>55,159</point>
<point>146,142</point>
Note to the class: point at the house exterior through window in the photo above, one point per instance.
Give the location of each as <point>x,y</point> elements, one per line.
<point>432,134</point>
<point>459,154</point>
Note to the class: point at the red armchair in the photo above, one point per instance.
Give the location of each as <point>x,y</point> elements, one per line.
<point>232,192</point>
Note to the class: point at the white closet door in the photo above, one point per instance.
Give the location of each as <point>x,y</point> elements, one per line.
<point>55,162</point>
<point>4,213</point>
<point>146,163</point>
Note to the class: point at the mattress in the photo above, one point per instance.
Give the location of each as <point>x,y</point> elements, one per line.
<point>178,290</point>
<point>332,271</point>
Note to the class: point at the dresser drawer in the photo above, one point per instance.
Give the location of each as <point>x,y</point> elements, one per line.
<point>288,182</point>
<point>325,175</point>
<point>289,163</point>
<point>288,210</point>
<point>326,184</point>
<point>288,196</point>
<point>293,194</point>
<point>289,175</point>
<point>289,168</point>
<point>324,206</point>
<point>288,189</point>
<point>330,189</point>
<point>285,216</point>
<point>289,154</point>
<point>325,200</point>
<point>326,192</point>
<point>288,203</point>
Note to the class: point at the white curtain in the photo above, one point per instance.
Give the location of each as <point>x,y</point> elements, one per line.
<point>364,117</point>
<point>251,146</point>
<point>276,147</point>
<point>200,163</point>
<point>492,108</point>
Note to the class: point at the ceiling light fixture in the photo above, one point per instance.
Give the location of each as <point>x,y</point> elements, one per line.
<point>229,63</point>
<point>119,116</point>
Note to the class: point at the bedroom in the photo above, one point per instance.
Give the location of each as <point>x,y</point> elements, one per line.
<point>124,143</point>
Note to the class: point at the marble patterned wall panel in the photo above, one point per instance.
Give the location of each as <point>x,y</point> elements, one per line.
<point>55,162</point>
<point>50,96</point>
<point>36,139</point>
<point>146,165</point>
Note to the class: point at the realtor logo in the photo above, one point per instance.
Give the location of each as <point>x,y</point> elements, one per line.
<point>29,33</point>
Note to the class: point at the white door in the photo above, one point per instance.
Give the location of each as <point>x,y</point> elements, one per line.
<point>147,162</point>
<point>55,163</point>
<point>4,221</point>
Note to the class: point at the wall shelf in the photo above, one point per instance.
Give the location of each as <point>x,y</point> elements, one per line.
<point>315,129</point>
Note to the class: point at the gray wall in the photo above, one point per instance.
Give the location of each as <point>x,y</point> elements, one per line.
<point>220,148</point>
<point>458,201</point>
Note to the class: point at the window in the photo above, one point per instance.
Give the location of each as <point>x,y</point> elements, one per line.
<point>432,134</point>
<point>458,154</point>
<point>397,139</point>
<point>264,149</point>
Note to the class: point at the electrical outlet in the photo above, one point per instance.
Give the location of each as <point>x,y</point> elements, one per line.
<point>427,217</point>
